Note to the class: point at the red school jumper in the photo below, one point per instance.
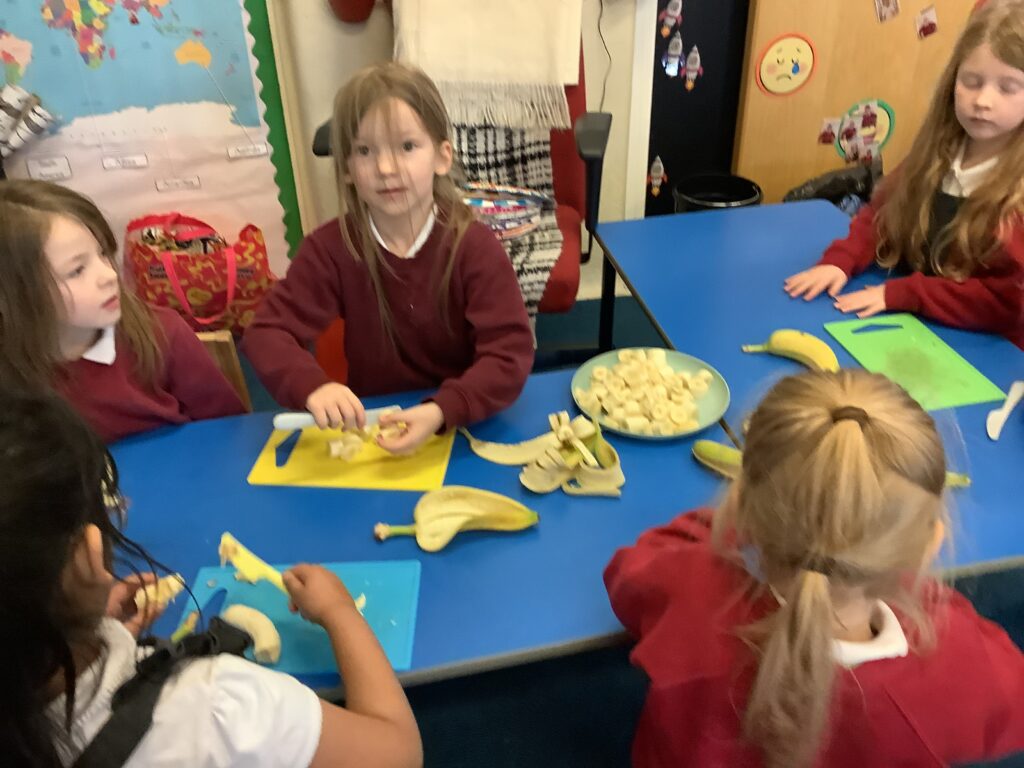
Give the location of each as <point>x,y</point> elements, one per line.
<point>683,603</point>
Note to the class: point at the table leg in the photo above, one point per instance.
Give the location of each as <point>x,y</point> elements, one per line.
<point>607,320</point>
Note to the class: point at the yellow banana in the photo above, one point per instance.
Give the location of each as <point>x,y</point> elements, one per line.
<point>250,568</point>
<point>266,639</point>
<point>727,461</point>
<point>440,515</point>
<point>803,347</point>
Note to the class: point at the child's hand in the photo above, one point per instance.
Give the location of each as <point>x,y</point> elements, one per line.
<point>865,302</point>
<point>421,422</point>
<point>335,405</point>
<point>316,593</point>
<point>121,603</point>
<point>811,282</point>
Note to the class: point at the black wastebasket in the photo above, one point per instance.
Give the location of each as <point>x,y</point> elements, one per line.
<point>715,191</point>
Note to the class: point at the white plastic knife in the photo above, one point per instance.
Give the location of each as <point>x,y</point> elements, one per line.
<point>997,418</point>
<point>292,420</point>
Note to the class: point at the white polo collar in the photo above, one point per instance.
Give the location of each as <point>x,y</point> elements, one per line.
<point>103,351</point>
<point>417,244</point>
<point>889,643</point>
<point>962,183</point>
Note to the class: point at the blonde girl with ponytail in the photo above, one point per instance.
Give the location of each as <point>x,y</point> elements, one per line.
<point>798,625</point>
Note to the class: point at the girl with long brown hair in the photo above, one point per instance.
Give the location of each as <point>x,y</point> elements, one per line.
<point>797,625</point>
<point>951,216</point>
<point>67,322</point>
<point>428,295</point>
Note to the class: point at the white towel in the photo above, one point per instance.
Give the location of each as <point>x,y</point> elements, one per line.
<point>496,62</point>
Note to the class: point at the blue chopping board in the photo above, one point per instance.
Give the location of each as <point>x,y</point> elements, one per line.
<point>392,591</point>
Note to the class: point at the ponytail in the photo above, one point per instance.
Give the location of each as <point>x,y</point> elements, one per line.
<point>788,706</point>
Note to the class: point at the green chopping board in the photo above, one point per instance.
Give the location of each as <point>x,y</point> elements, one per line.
<point>908,352</point>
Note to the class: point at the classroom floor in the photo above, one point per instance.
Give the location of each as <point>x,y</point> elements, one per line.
<point>581,710</point>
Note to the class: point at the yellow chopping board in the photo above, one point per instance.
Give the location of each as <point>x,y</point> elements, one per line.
<point>311,465</point>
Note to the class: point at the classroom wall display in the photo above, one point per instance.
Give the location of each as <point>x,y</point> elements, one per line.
<point>157,107</point>
<point>698,63</point>
<point>865,52</point>
<point>786,65</point>
<point>864,130</point>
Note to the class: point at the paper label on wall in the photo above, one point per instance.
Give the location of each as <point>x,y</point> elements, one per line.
<point>886,9</point>
<point>125,162</point>
<point>927,22</point>
<point>49,169</point>
<point>243,151</point>
<point>829,130</point>
<point>868,126</point>
<point>178,184</point>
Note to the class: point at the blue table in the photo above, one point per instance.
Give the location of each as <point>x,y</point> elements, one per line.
<point>711,282</point>
<point>488,599</point>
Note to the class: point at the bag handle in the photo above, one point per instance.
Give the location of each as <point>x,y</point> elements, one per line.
<point>172,221</point>
<point>167,259</point>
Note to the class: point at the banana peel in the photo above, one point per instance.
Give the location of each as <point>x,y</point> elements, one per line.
<point>441,514</point>
<point>728,461</point>
<point>573,456</point>
<point>249,567</point>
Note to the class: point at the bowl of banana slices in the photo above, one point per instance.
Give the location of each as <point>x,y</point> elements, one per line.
<point>650,393</point>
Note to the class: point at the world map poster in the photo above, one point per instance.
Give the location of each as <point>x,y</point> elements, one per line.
<point>156,109</point>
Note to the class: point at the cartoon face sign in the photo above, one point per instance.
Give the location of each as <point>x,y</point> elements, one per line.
<point>786,65</point>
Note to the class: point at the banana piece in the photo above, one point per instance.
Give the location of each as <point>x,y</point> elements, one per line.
<point>440,515</point>
<point>250,568</point>
<point>351,442</point>
<point>728,462</point>
<point>265,637</point>
<point>803,347</point>
<point>160,593</point>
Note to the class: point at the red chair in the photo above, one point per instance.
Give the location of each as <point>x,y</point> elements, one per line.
<point>577,160</point>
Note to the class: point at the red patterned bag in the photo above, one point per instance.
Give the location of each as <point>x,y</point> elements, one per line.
<point>182,263</point>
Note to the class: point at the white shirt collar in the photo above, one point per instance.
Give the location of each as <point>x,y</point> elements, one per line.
<point>103,351</point>
<point>417,244</point>
<point>962,183</point>
<point>889,643</point>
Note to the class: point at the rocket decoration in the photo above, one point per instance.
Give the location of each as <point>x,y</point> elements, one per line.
<point>693,68</point>
<point>671,58</point>
<point>657,176</point>
<point>671,17</point>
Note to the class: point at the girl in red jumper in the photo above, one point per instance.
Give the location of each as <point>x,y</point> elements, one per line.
<point>428,295</point>
<point>67,323</point>
<point>805,631</point>
<point>951,214</point>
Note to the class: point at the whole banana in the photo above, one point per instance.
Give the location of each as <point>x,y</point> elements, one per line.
<point>728,462</point>
<point>440,515</point>
<point>803,347</point>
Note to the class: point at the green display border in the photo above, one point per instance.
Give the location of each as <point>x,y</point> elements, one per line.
<point>881,103</point>
<point>270,93</point>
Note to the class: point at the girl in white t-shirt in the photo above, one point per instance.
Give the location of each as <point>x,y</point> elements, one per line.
<point>68,627</point>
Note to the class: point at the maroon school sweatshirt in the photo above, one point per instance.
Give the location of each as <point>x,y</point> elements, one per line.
<point>477,360</point>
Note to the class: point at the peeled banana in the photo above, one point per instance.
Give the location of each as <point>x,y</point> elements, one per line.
<point>728,461</point>
<point>158,594</point>
<point>803,347</point>
<point>250,568</point>
<point>440,515</point>
<point>265,637</point>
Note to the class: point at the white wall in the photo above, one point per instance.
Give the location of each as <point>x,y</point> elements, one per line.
<point>324,52</point>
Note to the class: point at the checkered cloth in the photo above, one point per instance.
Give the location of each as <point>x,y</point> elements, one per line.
<point>521,158</point>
